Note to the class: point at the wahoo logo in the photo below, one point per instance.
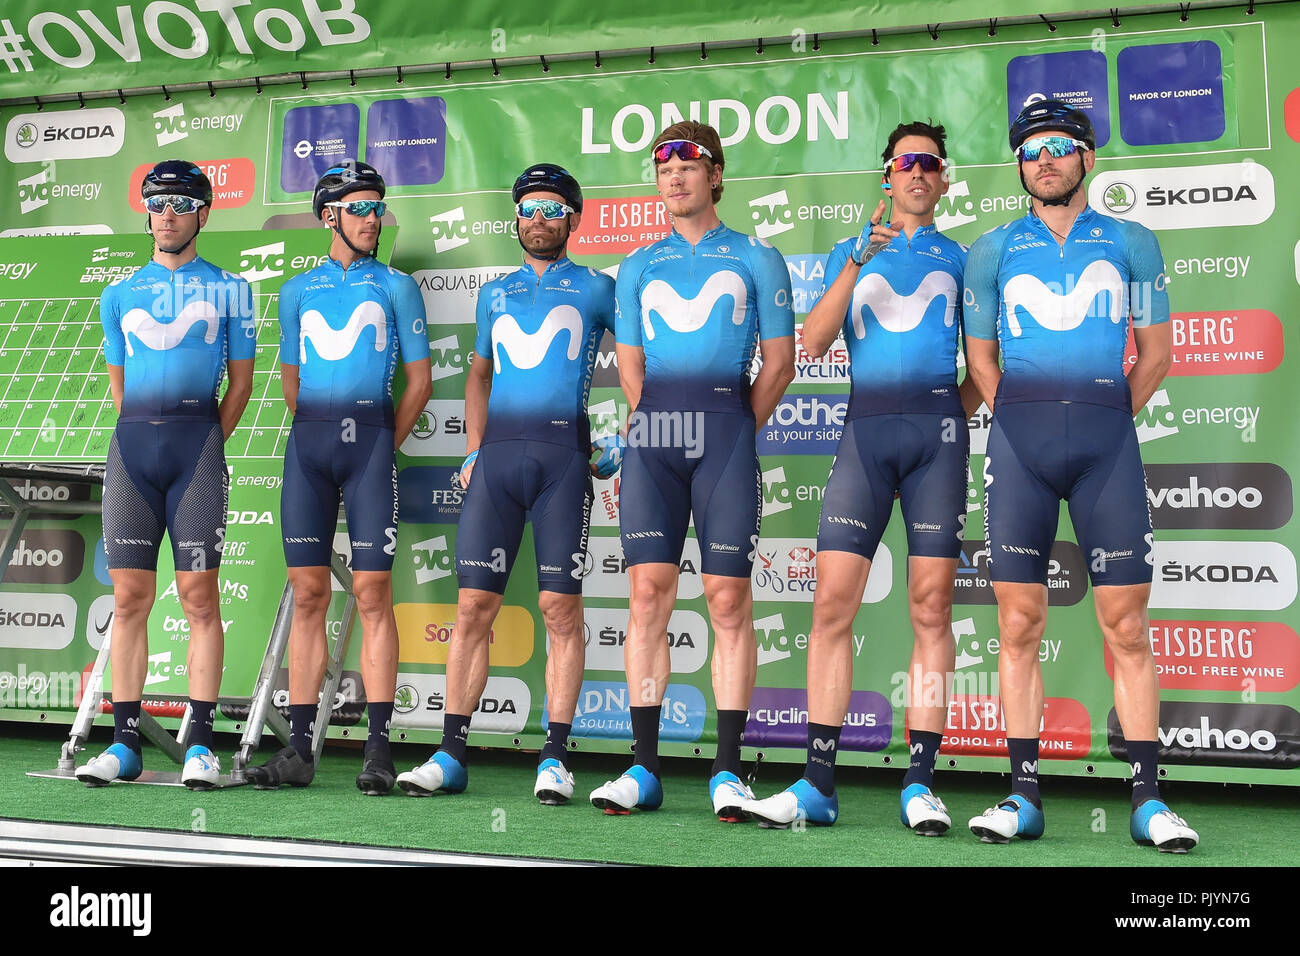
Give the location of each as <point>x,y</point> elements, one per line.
<point>776,493</point>
<point>169,125</point>
<point>34,191</point>
<point>333,344</point>
<point>430,559</point>
<point>1063,312</point>
<point>262,262</point>
<point>772,215</point>
<point>901,313</point>
<point>772,642</point>
<point>527,350</point>
<point>161,336</point>
<point>1157,419</point>
<point>689,315</point>
<point>449,230</point>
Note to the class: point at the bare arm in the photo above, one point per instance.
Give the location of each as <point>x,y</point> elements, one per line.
<point>773,378</point>
<point>239,386</point>
<point>1154,356</point>
<point>419,386</point>
<point>983,369</point>
<point>969,395</point>
<point>289,385</point>
<point>826,319</point>
<point>116,383</point>
<point>631,373</point>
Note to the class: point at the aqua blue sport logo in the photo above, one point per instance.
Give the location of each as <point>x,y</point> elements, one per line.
<point>603,711</point>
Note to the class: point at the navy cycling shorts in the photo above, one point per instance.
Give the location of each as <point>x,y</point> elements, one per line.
<point>322,460</point>
<point>1040,453</point>
<point>700,463</point>
<point>165,476</point>
<point>512,481</point>
<point>922,458</point>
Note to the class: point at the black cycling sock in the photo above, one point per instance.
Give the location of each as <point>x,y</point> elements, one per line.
<point>201,714</point>
<point>645,736</point>
<point>455,733</point>
<point>302,725</point>
<point>1024,768</point>
<point>924,747</point>
<point>823,742</point>
<point>731,729</point>
<point>126,723</point>
<point>379,715</point>
<point>1143,758</point>
<point>557,735</point>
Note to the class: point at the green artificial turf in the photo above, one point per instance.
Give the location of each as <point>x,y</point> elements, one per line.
<point>1087,819</point>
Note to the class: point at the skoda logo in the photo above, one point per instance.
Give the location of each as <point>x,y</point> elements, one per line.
<point>425,425</point>
<point>406,699</point>
<point>26,135</point>
<point>1119,197</point>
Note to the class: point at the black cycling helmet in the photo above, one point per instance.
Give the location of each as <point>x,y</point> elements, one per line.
<point>1051,114</point>
<point>176,177</point>
<point>348,176</point>
<point>551,178</point>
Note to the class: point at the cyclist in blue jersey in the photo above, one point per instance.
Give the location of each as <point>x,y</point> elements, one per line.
<point>529,444</point>
<point>691,310</point>
<point>172,331</point>
<point>1055,293</point>
<point>343,328</point>
<point>895,291</point>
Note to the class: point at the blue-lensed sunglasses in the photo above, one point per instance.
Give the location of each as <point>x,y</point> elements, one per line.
<point>549,208</point>
<point>362,207</point>
<point>1056,146</point>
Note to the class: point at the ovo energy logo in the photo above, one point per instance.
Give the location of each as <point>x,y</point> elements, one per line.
<point>169,125</point>
<point>262,262</point>
<point>772,215</point>
<point>449,230</point>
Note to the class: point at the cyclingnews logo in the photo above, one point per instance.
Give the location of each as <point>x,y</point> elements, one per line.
<point>778,717</point>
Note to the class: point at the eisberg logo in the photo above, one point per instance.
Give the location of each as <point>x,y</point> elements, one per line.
<point>1188,197</point>
<point>686,315</point>
<point>69,134</point>
<point>1249,495</point>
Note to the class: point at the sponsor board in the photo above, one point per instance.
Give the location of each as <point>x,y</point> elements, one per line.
<point>64,134</point>
<point>1245,342</point>
<point>37,621</point>
<point>270,261</point>
<point>1067,575</point>
<point>90,229</point>
<point>1076,77</point>
<point>171,124</point>
<point>778,717</point>
<point>606,630</point>
<point>1245,495</point>
<point>406,138</point>
<point>603,711</point>
<point>421,701</point>
<point>1170,93</point>
<point>439,431</point>
<point>429,494</point>
<point>425,631</point>
<point>347,710</point>
<point>605,570</point>
<point>1220,734</point>
<point>976,728</point>
<point>620,225</point>
<point>605,507</point>
<point>452,229</point>
<point>315,138</point>
<point>50,556</point>
<point>807,283</point>
<point>1187,197</point>
<point>809,423</point>
<point>1161,418</point>
<point>785,569</point>
<point>1224,655</point>
<point>780,494</point>
<point>830,368</point>
<point>1223,575</point>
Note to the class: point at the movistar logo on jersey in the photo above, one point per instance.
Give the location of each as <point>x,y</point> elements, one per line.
<point>527,350</point>
<point>1059,312</point>
<point>333,344</point>
<point>901,313</point>
<point>160,336</point>
<point>689,315</point>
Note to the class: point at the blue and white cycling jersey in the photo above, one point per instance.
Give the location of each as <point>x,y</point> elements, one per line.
<point>1061,314</point>
<point>173,333</point>
<point>903,325</point>
<point>542,334</point>
<point>345,329</point>
<point>698,312</point>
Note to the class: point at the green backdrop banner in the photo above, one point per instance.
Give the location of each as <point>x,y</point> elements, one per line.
<point>1195,122</point>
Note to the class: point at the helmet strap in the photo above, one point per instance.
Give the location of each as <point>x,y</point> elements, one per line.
<point>1059,200</point>
<point>148,228</point>
<point>550,254</point>
<point>361,253</point>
